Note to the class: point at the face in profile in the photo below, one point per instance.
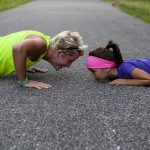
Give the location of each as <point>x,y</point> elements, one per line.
<point>99,74</point>
<point>62,59</point>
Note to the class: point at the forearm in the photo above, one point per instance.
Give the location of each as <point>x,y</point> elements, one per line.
<point>138,82</point>
<point>20,63</point>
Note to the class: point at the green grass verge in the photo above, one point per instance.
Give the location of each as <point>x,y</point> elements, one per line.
<point>137,8</point>
<point>7,4</point>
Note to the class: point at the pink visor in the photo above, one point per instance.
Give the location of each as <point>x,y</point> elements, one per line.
<point>95,62</point>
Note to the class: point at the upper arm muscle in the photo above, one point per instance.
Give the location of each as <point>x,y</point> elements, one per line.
<point>32,47</point>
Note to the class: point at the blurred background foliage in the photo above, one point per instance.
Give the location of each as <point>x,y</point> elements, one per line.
<point>7,4</point>
<point>137,8</point>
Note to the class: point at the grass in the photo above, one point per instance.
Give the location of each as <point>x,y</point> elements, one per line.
<point>7,4</point>
<point>137,8</point>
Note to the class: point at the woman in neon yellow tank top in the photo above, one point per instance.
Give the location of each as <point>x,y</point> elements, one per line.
<point>21,50</point>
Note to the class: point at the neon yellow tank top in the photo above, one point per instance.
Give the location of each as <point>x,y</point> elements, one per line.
<point>6,46</point>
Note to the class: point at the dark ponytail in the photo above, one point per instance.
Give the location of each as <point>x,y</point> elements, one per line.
<point>116,52</point>
<point>108,54</point>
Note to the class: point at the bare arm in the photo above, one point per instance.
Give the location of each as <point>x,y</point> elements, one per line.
<point>32,48</point>
<point>140,78</point>
<point>27,48</point>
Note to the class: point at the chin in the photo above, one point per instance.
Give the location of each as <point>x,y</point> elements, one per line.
<point>112,77</point>
<point>57,69</point>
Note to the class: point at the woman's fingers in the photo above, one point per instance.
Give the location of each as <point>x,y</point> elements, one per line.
<point>40,70</point>
<point>38,85</point>
<point>34,70</point>
<point>43,85</point>
<point>30,70</point>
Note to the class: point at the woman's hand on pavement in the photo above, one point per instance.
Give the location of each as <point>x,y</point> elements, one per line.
<point>37,85</point>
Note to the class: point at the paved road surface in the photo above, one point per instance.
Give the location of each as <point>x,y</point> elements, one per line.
<point>78,113</point>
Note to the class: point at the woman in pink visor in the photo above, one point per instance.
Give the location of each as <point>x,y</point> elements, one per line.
<point>107,63</point>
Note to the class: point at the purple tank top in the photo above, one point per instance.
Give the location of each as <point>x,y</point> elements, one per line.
<point>126,68</point>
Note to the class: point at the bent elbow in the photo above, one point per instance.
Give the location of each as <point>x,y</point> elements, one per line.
<point>148,82</point>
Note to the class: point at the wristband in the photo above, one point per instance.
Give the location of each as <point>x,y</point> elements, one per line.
<point>24,82</point>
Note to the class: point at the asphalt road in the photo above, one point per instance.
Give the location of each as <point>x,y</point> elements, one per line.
<point>78,113</point>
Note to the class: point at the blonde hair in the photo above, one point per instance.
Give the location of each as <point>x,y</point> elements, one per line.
<point>68,42</point>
